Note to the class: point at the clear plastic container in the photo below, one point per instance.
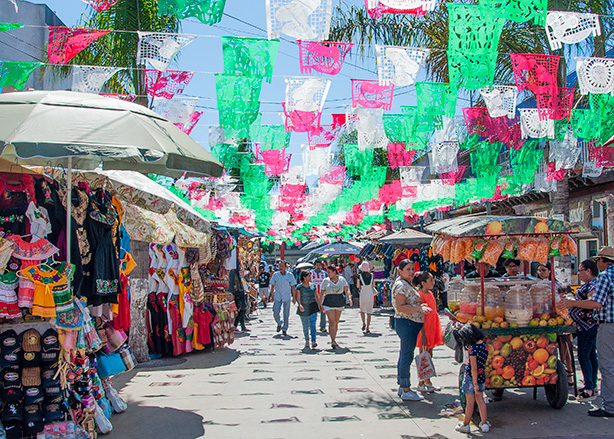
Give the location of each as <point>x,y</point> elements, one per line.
<point>494,304</point>
<point>469,299</point>
<point>518,306</point>
<point>541,295</point>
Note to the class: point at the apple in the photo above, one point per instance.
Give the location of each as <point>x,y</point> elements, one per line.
<point>551,348</point>
<point>530,346</point>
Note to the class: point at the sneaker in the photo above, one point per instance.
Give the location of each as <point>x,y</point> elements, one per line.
<point>400,391</point>
<point>278,328</point>
<point>411,396</point>
<point>431,388</point>
<point>462,428</point>
<point>485,427</point>
<point>423,389</point>
<point>314,345</point>
<point>284,333</point>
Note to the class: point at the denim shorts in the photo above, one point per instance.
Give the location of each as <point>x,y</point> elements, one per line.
<point>468,388</point>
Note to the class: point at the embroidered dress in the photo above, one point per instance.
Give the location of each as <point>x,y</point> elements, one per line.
<point>45,282</point>
<point>30,254</point>
<point>40,226</point>
<point>8,296</point>
<point>105,265</point>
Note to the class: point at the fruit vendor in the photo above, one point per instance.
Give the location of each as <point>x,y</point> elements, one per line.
<point>603,302</point>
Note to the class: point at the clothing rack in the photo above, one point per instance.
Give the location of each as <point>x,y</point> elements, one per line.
<point>218,297</point>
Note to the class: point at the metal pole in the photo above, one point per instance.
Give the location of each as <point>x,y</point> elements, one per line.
<point>482,285</point>
<point>68,212</point>
<point>552,285</point>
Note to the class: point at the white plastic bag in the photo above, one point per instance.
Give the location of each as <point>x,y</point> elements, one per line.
<point>103,424</point>
<point>425,366</point>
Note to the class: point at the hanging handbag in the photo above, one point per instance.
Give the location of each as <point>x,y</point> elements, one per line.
<point>110,365</point>
<point>128,357</point>
<point>115,338</point>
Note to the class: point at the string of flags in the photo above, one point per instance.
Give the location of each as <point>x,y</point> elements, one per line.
<point>361,192</point>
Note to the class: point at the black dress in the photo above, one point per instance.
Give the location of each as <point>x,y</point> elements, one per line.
<point>102,218</point>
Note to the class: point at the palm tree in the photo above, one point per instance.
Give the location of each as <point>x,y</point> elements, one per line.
<point>119,47</point>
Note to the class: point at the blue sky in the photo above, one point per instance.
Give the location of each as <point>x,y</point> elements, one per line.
<point>247,18</point>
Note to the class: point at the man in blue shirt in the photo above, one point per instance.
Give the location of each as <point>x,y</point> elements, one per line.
<point>282,292</point>
<point>602,301</point>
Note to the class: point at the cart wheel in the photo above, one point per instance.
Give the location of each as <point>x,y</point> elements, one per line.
<point>556,394</point>
<point>497,393</point>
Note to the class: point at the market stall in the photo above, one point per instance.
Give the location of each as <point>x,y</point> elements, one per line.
<point>525,331</point>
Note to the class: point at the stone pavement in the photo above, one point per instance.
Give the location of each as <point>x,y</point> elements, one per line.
<point>268,386</point>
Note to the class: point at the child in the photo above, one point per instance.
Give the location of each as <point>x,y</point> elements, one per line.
<point>431,334</point>
<point>474,381</point>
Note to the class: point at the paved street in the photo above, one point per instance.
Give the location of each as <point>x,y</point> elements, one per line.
<point>267,386</point>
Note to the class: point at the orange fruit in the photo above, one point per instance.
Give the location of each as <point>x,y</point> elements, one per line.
<point>494,228</point>
<point>541,355</point>
<point>541,227</point>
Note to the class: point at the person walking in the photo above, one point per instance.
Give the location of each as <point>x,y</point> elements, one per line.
<point>282,293</point>
<point>349,275</point>
<point>474,380</point>
<point>308,307</point>
<point>317,277</point>
<point>235,285</point>
<point>602,301</point>
<point>334,292</point>
<point>587,327</point>
<point>408,321</point>
<point>431,334</point>
<point>365,286</point>
<point>264,278</point>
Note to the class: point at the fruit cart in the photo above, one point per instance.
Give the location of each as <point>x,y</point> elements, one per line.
<point>524,331</point>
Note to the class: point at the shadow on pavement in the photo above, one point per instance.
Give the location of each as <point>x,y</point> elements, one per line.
<point>152,422</point>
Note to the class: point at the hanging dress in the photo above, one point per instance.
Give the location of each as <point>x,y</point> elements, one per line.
<point>8,296</point>
<point>105,264</point>
<point>46,280</point>
<point>30,254</point>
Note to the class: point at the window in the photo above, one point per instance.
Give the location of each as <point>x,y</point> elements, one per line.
<point>591,248</point>
<point>596,210</point>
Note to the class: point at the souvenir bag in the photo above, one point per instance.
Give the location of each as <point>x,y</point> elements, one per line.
<point>88,335</point>
<point>102,422</point>
<point>110,365</point>
<point>128,357</point>
<point>118,404</point>
<point>425,366</point>
<point>115,338</point>
<point>448,338</point>
<point>68,316</point>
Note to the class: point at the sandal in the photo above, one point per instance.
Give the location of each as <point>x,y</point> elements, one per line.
<point>363,327</point>
<point>587,395</point>
<point>367,331</point>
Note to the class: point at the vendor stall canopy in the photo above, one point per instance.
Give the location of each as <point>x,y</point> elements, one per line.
<point>502,225</point>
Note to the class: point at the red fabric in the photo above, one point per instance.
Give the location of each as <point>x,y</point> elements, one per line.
<point>432,324</point>
<point>497,129</point>
<point>603,155</point>
<point>452,178</point>
<point>301,121</point>
<point>535,72</point>
<point>203,318</point>
<point>122,320</point>
<point>166,84</point>
<point>391,193</point>
<point>398,155</point>
<point>370,94</point>
<point>553,174</point>
<point>381,9</point>
<point>276,162</point>
<point>65,43</point>
<point>324,57</point>
<point>335,175</point>
<point>189,125</point>
<point>101,5</point>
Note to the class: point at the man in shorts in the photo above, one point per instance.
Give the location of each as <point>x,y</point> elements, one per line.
<point>264,278</point>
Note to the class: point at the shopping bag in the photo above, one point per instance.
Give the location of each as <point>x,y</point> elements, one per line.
<point>425,366</point>
<point>448,337</point>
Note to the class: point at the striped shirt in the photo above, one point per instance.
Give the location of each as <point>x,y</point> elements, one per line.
<point>604,294</point>
<point>318,278</point>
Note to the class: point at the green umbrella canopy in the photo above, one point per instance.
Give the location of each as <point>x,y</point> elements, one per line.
<point>501,225</point>
<point>47,127</point>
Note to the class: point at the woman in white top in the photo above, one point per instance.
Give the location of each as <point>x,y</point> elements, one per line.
<point>333,293</point>
<point>365,286</point>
